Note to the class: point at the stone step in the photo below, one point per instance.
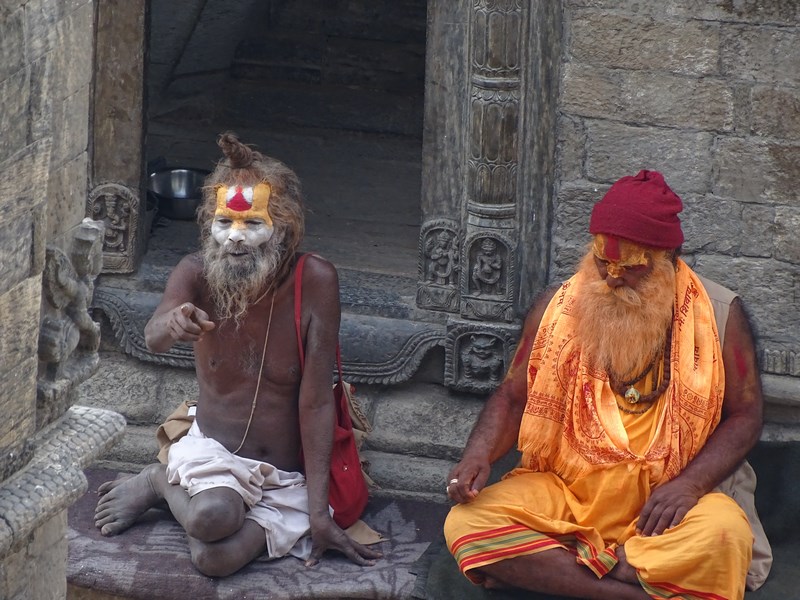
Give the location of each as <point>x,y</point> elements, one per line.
<point>329,105</point>
<point>418,429</point>
<point>282,57</point>
<point>408,477</point>
<point>151,559</point>
<point>419,419</point>
<point>396,475</point>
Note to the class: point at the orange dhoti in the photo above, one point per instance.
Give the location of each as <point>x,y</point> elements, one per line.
<point>706,556</point>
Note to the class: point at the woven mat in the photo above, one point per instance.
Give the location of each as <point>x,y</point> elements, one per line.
<point>151,559</point>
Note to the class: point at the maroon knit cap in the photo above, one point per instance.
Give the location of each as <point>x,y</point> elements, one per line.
<point>641,209</point>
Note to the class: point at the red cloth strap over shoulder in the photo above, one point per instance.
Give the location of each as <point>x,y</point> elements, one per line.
<point>298,291</point>
<point>298,303</point>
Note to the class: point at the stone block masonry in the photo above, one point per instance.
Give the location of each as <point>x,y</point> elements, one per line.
<point>45,79</point>
<point>709,94</point>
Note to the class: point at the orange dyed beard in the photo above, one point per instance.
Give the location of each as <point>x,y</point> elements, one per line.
<point>623,330</point>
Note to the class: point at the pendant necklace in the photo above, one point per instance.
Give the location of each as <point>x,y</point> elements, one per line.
<point>632,395</point>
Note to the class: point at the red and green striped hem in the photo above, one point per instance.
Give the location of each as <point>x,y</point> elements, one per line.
<point>487,547</point>
<point>601,562</point>
<point>670,591</point>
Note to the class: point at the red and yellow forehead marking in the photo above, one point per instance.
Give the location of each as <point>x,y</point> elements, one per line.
<point>620,254</point>
<point>244,202</point>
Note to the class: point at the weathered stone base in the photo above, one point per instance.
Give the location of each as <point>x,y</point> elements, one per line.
<point>33,502</point>
<point>36,570</point>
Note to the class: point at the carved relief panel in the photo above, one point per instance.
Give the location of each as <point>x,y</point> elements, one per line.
<point>487,281</point>
<point>118,207</point>
<point>440,249</point>
<point>780,362</point>
<point>477,355</point>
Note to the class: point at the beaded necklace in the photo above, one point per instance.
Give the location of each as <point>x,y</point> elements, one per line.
<point>631,395</point>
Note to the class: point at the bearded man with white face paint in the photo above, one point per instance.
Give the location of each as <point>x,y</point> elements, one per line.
<point>633,416</point>
<point>251,475</point>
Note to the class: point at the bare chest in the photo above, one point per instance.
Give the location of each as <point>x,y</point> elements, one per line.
<point>229,355</point>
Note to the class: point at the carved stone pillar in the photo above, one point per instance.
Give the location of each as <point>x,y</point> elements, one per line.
<point>117,195</point>
<point>488,280</point>
<point>487,176</point>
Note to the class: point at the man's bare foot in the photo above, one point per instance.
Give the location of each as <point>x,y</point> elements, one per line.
<point>124,500</point>
<point>623,571</point>
<point>106,487</point>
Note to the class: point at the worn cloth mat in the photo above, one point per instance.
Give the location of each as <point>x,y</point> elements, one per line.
<point>151,559</point>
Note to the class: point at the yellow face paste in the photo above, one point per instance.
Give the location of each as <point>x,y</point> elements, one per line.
<point>619,254</point>
<point>242,215</point>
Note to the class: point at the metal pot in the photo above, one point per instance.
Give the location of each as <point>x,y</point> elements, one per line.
<point>178,191</point>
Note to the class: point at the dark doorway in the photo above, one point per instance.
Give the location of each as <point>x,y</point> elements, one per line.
<point>333,88</point>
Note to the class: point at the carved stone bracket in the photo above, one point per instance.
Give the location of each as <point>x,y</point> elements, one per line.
<point>118,207</point>
<point>68,338</point>
<point>127,312</point>
<point>375,350</point>
<point>477,355</point>
<point>439,251</point>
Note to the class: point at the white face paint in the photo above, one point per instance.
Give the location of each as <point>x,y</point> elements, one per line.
<point>252,232</point>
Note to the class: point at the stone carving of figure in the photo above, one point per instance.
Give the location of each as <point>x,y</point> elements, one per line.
<point>68,337</point>
<point>87,259</point>
<point>480,359</point>
<point>487,269</point>
<point>115,216</point>
<point>442,264</point>
<point>68,285</point>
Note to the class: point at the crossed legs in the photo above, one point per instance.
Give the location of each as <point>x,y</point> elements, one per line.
<point>709,551</point>
<point>556,572</point>
<point>221,540</point>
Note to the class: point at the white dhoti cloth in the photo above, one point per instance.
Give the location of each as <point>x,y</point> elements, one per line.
<point>277,500</point>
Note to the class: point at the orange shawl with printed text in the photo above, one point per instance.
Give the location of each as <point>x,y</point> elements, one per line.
<point>571,424</point>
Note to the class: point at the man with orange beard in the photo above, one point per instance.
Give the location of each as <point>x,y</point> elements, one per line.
<point>629,413</point>
<point>251,475</point>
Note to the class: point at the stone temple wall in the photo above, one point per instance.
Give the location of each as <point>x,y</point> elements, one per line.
<point>45,91</point>
<point>709,94</point>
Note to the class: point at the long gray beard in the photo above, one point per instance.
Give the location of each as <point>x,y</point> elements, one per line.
<point>236,283</point>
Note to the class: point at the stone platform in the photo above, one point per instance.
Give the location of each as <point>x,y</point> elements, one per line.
<point>416,564</point>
